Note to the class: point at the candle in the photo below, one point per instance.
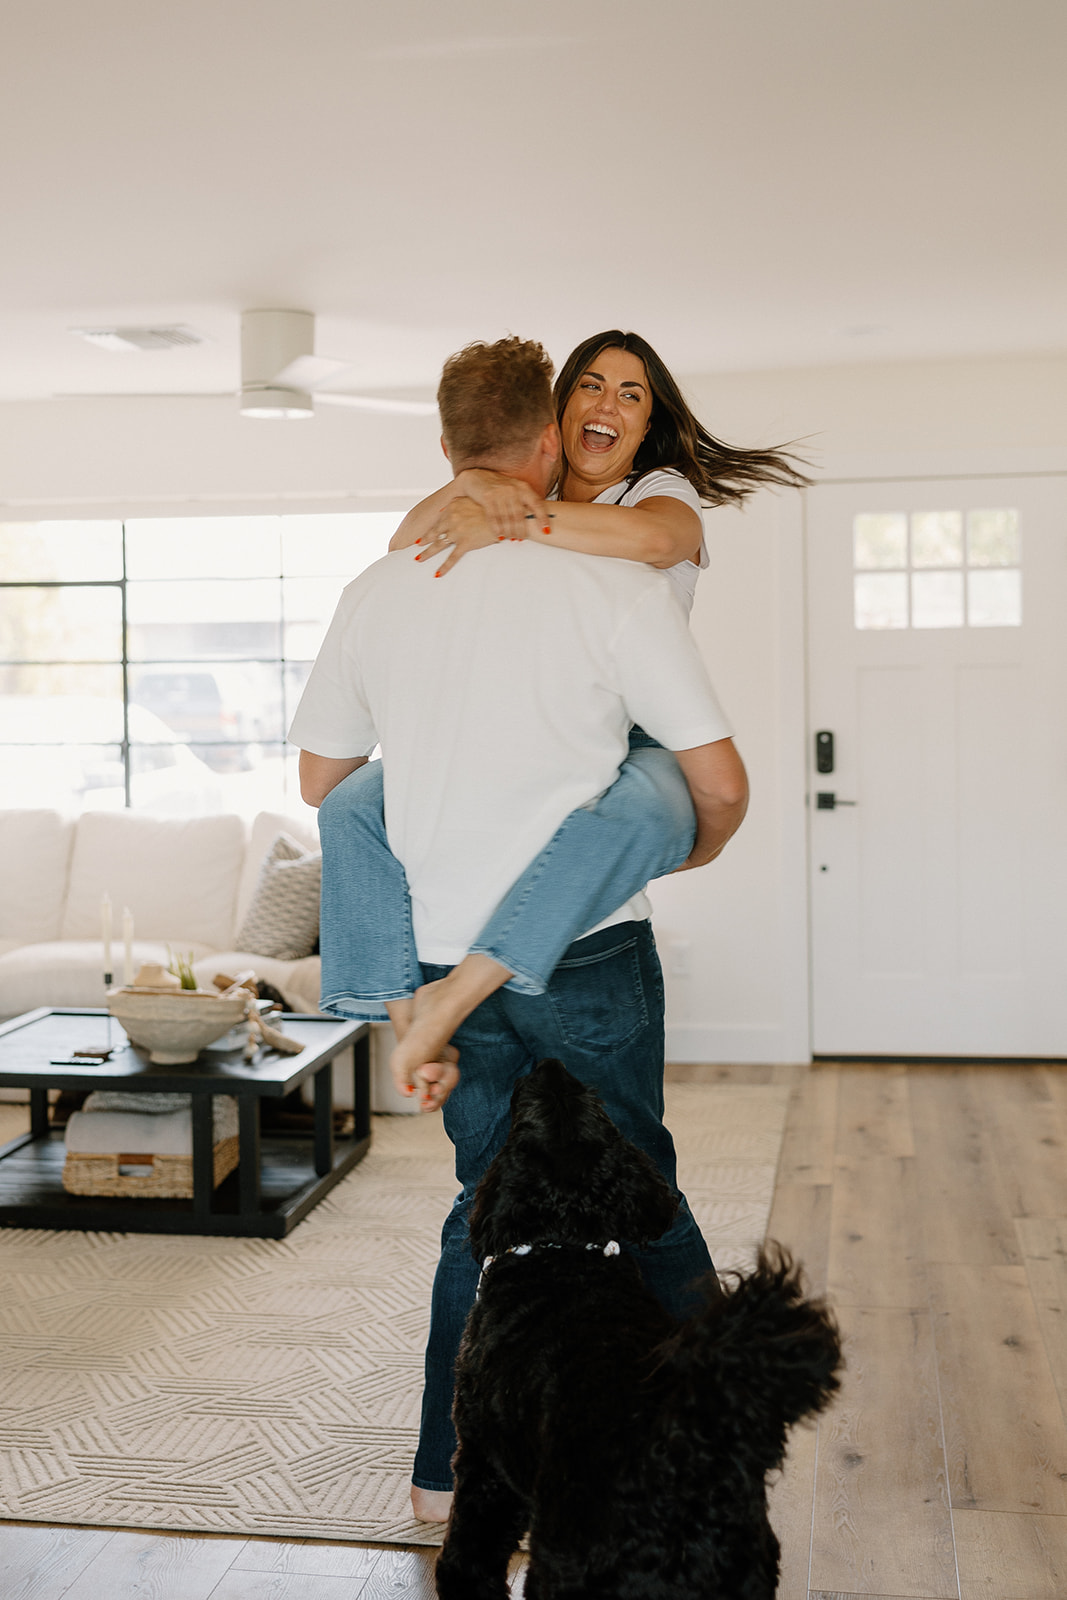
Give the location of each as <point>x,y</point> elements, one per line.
<point>105,929</point>
<point>127,939</point>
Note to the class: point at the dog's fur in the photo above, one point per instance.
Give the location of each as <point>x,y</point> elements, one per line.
<point>634,1448</point>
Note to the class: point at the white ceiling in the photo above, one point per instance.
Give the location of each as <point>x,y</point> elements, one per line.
<point>749,183</point>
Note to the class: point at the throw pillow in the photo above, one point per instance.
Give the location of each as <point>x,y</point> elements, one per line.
<point>283,919</point>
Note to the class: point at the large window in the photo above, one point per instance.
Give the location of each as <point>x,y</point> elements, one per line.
<point>156,663</point>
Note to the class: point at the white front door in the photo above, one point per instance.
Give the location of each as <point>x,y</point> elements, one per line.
<point>937,640</point>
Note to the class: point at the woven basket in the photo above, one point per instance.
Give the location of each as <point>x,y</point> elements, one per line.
<point>157,1178</point>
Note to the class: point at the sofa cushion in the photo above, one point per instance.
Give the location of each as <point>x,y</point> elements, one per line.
<point>178,875</point>
<point>35,849</point>
<point>283,919</point>
<point>265,829</point>
<point>69,972</point>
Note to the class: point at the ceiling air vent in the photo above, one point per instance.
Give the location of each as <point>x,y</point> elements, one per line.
<point>166,338</point>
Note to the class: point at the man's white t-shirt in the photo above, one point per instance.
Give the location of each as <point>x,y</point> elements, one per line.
<point>502,695</point>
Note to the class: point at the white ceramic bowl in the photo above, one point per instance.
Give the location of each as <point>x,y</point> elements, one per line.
<point>174,1027</point>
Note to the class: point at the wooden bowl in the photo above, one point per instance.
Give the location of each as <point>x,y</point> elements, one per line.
<point>174,1025</point>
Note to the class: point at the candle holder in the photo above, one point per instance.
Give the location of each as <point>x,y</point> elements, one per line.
<point>108,980</point>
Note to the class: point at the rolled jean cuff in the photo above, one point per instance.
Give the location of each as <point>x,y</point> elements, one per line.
<point>520,982</point>
<point>440,1488</point>
<point>361,1008</point>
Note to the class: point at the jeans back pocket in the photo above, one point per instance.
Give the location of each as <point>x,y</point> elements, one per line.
<point>598,1000</point>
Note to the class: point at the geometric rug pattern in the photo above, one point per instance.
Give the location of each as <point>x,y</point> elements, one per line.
<point>263,1386</point>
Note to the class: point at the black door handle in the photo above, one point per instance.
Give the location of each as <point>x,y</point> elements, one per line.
<point>826,800</point>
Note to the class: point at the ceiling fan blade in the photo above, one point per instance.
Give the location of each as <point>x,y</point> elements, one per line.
<point>307,372</point>
<point>368,402</point>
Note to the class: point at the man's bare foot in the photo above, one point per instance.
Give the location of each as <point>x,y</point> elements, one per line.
<point>439,1009</point>
<point>431,1505</point>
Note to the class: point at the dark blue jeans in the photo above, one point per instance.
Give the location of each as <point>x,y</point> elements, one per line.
<point>602,1016</point>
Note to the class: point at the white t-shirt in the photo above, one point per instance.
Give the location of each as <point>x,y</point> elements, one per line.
<point>666,481</point>
<point>502,697</point>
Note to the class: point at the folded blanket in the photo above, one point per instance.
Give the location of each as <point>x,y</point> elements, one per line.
<point>128,1100</point>
<point>170,1133</point>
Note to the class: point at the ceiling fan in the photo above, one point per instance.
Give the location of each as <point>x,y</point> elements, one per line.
<point>280,372</point>
<point>281,377</point>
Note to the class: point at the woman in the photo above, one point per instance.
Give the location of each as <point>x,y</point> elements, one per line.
<point>636,468</point>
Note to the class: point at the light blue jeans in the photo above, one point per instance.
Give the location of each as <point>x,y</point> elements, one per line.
<point>641,828</point>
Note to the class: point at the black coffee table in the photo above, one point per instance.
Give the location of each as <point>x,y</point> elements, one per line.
<point>280,1175</point>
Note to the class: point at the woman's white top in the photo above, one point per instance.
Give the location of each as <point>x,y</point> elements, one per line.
<point>666,481</point>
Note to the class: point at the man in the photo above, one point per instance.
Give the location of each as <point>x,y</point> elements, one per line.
<point>502,699</point>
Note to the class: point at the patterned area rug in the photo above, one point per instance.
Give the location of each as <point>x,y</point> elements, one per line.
<point>272,1387</point>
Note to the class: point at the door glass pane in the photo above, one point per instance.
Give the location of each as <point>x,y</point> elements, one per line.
<point>881,600</point>
<point>993,539</point>
<point>348,542</point>
<point>76,624</point>
<point>880,539</point>
<point>937,600</point>
<point>995,599</point>
<point>60,551</point>
<point>936,539</point>
<point>206,620</point>
<point>203,547</point>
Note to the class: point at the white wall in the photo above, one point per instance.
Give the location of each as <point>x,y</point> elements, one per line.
<point>740,925</point>
<point>100,457</point>
<point>743,919</point>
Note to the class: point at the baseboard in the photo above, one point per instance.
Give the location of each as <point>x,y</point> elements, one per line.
<point>755,1043</point>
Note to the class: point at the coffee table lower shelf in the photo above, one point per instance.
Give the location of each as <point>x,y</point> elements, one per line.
<point>32,1193</point>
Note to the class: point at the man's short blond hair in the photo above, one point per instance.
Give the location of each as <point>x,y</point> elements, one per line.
<point>495,400</point>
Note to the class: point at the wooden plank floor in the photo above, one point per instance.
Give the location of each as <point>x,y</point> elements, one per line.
<point>930,1202</point>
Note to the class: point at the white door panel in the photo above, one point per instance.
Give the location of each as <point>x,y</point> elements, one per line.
<point>938,901</point>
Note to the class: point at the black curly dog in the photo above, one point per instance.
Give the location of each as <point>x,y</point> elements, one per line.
<point>634,1448</point>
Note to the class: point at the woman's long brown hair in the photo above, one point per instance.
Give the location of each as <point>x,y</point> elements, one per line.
<point>721,474</point>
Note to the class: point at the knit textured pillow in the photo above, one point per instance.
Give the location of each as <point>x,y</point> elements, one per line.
<point>283,919</point>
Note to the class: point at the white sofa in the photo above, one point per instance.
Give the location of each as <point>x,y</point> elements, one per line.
<point>187,881</point>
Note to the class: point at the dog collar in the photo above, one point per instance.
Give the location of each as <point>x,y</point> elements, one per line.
<point>610,1249</point>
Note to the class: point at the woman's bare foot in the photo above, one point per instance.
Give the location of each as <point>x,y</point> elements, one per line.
<point>435,1080</point>
<point>439,1009</point>
<point>431,1505</point>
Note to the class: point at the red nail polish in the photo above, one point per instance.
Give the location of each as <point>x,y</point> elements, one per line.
<point>546,530</point>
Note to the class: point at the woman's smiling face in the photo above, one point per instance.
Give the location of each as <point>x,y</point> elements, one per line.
<point>604,421</point>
